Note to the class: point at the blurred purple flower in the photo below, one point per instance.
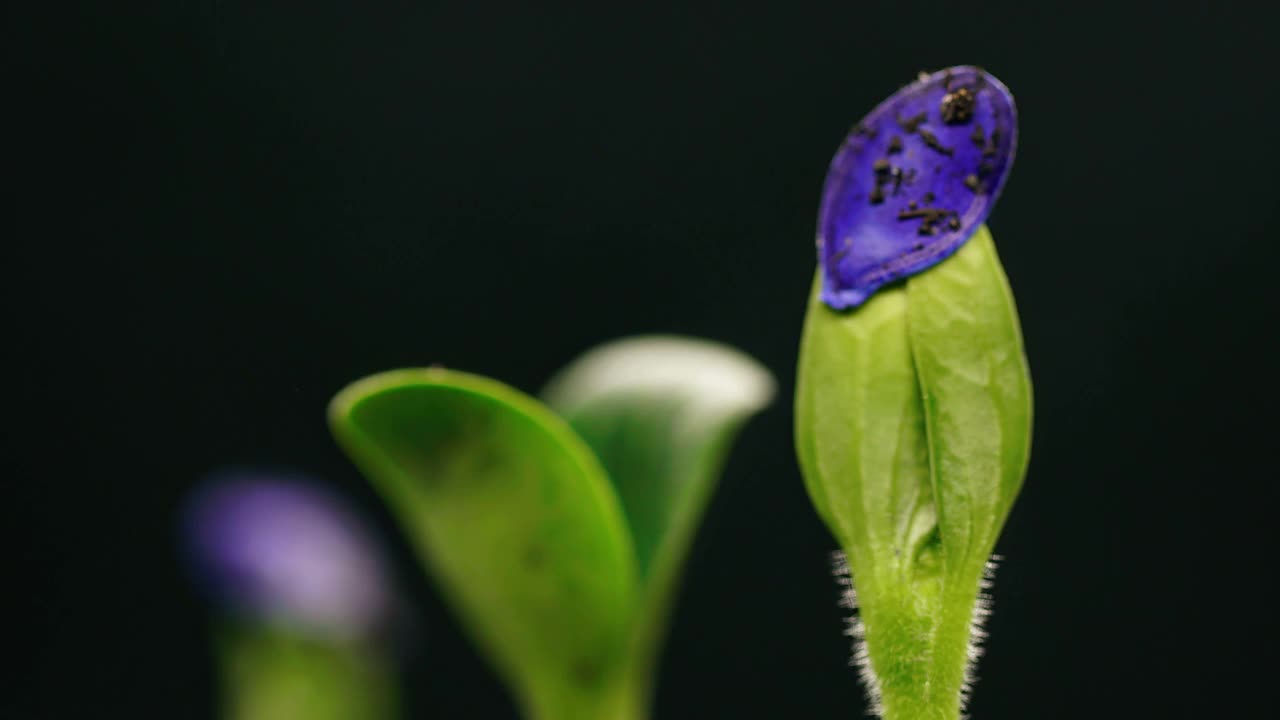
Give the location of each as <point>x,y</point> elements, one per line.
<point>913,181</point>
<point>281,549</point>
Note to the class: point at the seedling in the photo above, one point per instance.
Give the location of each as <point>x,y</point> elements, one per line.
<point>913,398</point>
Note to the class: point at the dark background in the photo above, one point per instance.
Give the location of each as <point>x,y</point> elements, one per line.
<point>223,212</point>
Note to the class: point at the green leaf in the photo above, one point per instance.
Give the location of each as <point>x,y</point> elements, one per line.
<point>661,413</point>
<point>273,673</point>
<point>515,518</point>
<point>525,531</point>
<point>913,422</point>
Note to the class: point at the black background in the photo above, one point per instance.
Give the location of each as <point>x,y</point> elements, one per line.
<point>223,212</point>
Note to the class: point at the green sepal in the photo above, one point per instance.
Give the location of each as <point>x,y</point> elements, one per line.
<point>913,423</point>
<point>966,343</point>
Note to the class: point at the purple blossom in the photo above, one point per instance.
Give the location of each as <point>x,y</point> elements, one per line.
<point>913,181</point>
<point>281,549</point>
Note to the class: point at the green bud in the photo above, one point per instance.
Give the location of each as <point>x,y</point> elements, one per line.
<point>913,429</point>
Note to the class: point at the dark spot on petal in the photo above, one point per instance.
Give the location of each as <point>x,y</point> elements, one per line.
<point>971,182</point>
<point>957,106</point>
<point>928,217</point>
<point>978,136</point>
<point>881,166</point>
<point>895,145</point>
<point>990,149</point>
<point>932,141</point>
<point>928,214</point>
<point>910,124</point>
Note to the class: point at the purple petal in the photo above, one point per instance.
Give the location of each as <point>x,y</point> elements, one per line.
<point>913,181</point>
<point>282,549</point>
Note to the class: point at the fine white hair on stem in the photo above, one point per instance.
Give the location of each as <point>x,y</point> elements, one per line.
<point>981,611</point>
<point>857,631</point>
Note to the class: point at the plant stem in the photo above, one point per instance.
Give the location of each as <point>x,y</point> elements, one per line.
<point>617,700</point>
<point>918,638</point>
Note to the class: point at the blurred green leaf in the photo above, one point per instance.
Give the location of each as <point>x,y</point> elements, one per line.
<point>913,423</point>
<point>273,673</point>
<point>564,575</point>
<point>514,517</point>
<point>661,413</point>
